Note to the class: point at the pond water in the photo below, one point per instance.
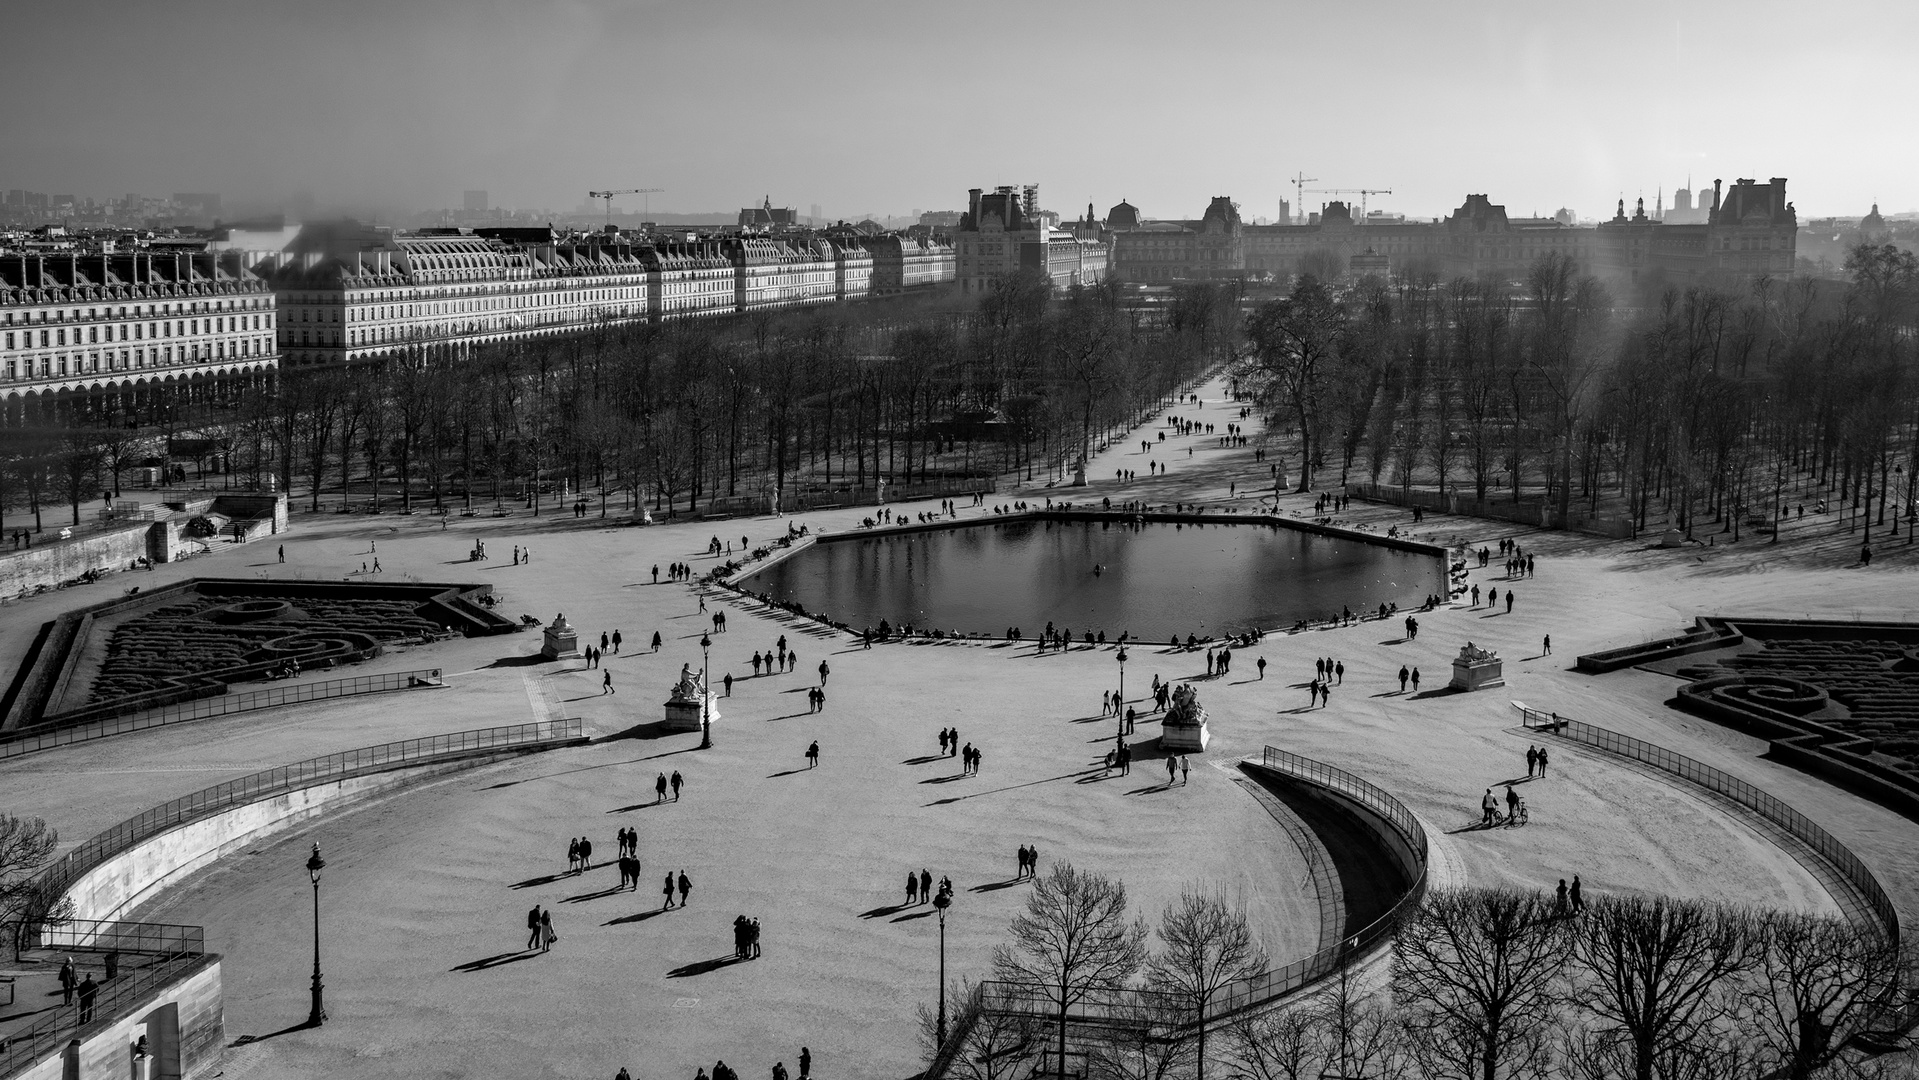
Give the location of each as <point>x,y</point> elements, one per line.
<point>1156,579</point>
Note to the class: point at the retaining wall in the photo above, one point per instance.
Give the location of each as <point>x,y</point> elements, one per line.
<point>49,562</point>
<point>105,1046</point>
<point>112,889</point>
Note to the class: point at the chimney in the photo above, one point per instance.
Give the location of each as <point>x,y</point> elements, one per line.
<point>972,205</point>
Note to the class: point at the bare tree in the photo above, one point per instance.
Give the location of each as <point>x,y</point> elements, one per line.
<point>1359,1033</point>
<point>1295,342</point>
<point>1208,946</point>
<point>1657,973</point>
<point>984,1044</point>
<point>1073,940</point>
<point>1475,971</point>
<point>1277,1044</point>
<point>26,846</point>
<point>1824,980</point>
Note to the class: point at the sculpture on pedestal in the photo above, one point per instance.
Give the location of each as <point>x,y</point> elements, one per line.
<point>562,641</point>
<point>1184,730</point>
<point>683,704</point>
<point>1476,669</point>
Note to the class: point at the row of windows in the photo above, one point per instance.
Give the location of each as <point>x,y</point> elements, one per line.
<point>222,324</point>
<point>185,307</point>
<point>56,366</point>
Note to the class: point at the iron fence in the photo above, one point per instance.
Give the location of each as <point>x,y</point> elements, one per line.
<point>1148,1010</point>
<point>165,940</point>
<point>301,774</point>
<point>115,995</point>
<point>1766,805</point>
<point>222,705</point>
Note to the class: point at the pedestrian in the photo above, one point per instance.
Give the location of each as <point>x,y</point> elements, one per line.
<point>806,1063</point>
<point>1559,901</point>
<point>676,782</point>
<point>1578,904</point>
<point>616,642</point>
<point>1261,665</point>
<point>1512,805</point>
<point>728,683</point>
<point>605,641</point>
<point>779,1070</point>
<point>824,671</point>
<point>547,936</point>
<point>586,854</point>
<point>942,742</point>
<point>1339,671</point>
<point>977,754</point>
<point>1509,601</point>
<point>1402,678</point>
<point>656,641</point>
<point>1532,761</point>
<point>926,885</point>
<point>912,887</point>
<point>1325,694</point>
<point>606,684</point>
<point>283,553</point>
<point>68,981</point>
<point>659,789</point>
<point>88,989</point>
<point>656,567</point>
<point>668,890</point>
<point>1185,770</point>
<point>686,888</point>
<point>1415,680</point>
<point>753,938</point>
<point>1488,806</point>
<point>1172,768</point>
<point>813,754</point>
<point>1542,763</point>
<point>1547,645</point>
<point>533,927</point>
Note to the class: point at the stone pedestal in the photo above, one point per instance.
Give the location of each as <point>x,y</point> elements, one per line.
<point>1184,731</point>
<point>1476,669</point>
<point>562,641</point>
<point>683,714</point>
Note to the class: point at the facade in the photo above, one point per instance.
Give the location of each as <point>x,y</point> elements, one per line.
<point>129,330</point>
<point>689,280</point>
<point>775,274</point>
<point>903,262</point>
<point>767,217</point>
<point>1004,232</point>
<point>1748,232</point>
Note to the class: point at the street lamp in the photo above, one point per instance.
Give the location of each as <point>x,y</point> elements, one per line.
<point>940,903</point>
<point>1120,709</point>
<point>706,694</point>
<point>314,865</point>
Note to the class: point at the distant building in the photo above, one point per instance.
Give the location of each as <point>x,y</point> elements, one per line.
<point>767,217</point>
<point>205,204</point>
<point>475,202</point>
<point>1004,232</point>
<point>945,220</point>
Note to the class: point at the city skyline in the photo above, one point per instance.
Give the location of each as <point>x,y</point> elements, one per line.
<point>387,109</point>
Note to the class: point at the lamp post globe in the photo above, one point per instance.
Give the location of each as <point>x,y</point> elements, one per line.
<point>706,697</point>
<point>315,864</point>
<point>940,903</point>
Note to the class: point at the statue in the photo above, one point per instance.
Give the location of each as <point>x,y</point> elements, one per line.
<point>1477,669</point>
<point>690,705</point>
<point>562,641</point>
<point>690,686</point>
<point>1184,728</point>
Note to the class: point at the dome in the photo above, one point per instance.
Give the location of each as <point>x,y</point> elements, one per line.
<point>1123,216</point>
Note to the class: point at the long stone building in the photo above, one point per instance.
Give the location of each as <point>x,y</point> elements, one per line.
<point>1749,232</point>
<point>1003,233</point>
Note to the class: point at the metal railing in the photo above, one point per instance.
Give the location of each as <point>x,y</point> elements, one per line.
<point>1768,806</point>
<point>1137,1009</point>
<point>221,705</point>
<point>29,1044</point>
<point>165,940</point>
<point>301,774</point>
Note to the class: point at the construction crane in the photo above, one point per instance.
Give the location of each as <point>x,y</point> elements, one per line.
<point>1361,192</point>
<point>608,196</point>
<point>1299,183</point>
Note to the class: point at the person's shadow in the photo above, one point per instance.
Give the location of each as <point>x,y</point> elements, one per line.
<point>497,960</point>
<point>687,971</point>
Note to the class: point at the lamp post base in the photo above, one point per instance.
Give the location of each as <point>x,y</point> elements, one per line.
<point>318,1015</point>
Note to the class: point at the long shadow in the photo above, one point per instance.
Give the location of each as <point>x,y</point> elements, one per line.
<point>653,729</point>
<point>1009,787</point>
<point>1150,789</point>
<point>1390,693</point>
<point>923,760</point>
<point>1477,826</point>
<point>997,885</point>
<point>687,971</point>
<point>911,917</point>
<point>1395,641</point>
<point>1443,691</point>
<point>790,716</point>
<point>1091,719</point>
<point>495,961</point>
<point>944,779</point>
<point>670,753</point>
<point>638,916</point>
<point>551,878</point>
<point>584,897</point>
<point>519,661</point>
<point>789,772</point>
<point>883,910</point>
<point>638,806</point>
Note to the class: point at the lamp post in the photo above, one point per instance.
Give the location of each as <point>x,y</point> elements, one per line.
<point>940,903</point>
<point>1120,709</point>
<point>706,695</point>
<point>314,865</point>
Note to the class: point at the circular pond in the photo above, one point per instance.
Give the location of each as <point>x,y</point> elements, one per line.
<point>1153,580</point>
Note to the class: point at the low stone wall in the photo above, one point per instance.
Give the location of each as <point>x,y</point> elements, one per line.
<point>50,562</point>
<point>112,889</point>
<point>183,1019</point>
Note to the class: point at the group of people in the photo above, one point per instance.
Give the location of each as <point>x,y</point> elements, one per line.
<point>778,660</point>
<point>74,985</point>
<point>674,572</point>
<point>1028,862</point>
<point>579,855</point>
<point>723,1071</point>
<point>1489,809</point>
<point>746,938</point>
<point>1218,664</point>
<point>661,783</point>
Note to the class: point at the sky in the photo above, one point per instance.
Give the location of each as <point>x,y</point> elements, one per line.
<point>384,107</point>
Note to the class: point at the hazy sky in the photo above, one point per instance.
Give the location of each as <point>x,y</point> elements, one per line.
<point>892,105</point>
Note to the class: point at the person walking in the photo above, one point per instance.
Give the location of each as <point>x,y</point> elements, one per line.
<point>1532,760</point>
<point>1512,805</point>
<point>659,789</point>
<point>806,1063</point>
<point>88,990</point>
<point>1509,601</point>
<point>728,683</point>
<point>656,641</point>
<point>676,782</point>
<point>1546,647</point>
<point>533,927</point>
<point>1185,770</point>
<point>813,754</point>
<point>779,1070</point>
<point>1542,762</point>
<point>616,641</point>
<point>547,936</point>
<point>605,641</point>
<point>824,671</point>
<point>1261,665</point>
<point>1402,678</point>
<point>283,553</point>
<point>606,684</point>
<point>1559,899</point>
<point>1339,671</point>
<point>1578,905</point>
<point>926,886</point>
<point>69,980</point>
<point>1172,769</point>
<point>686,888</point>
<point>1415,680</point>
<point>1488,807</point>
<point>912,888</point>
<point>667,889</point>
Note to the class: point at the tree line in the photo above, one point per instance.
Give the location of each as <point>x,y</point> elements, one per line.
<point>1029,377</point>
<point>1709,402</point>
<point>1483,984</point>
